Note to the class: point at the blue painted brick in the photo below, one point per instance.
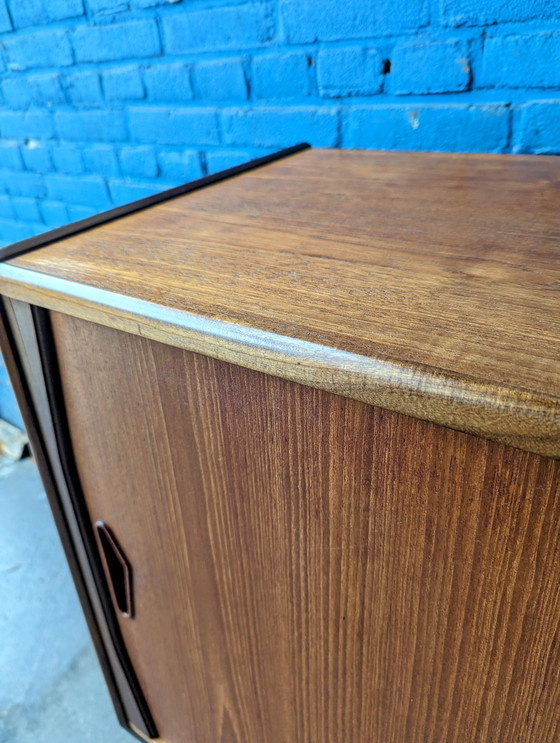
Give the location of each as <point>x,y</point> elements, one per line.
<point>42,49</point>
<point>139,161</point>
<point>483,12</point>
<point>10,411</point>
<point>521,62</point>
<point>174,126</point>
<point>25,184</point>
<point>89,190</point>
<point>101,159</point>
<point>181,166</point>
<point>5,20</point>
<point>33,123</point>
<point>440,127</point>
<point>107,7</point>
<point>37,12</point>
<point>68,159</point>
<point>116,41</point>
<point>280,75</point>
<point>217,161</point>
<point>100,126</point>
<point>36,157</point>
<point>83,87</point>
<point>123,192</point>
<point>122,84</point>
<point>429,67</point>
<point>221,79</point>
<point>349,71</point>
<point>6,211</point>
<point>21,92</point>
<point>54,213</point>
<point>236,27</point>
<point>10,156</point>
<point>17,94</point>
<point>46,89</point>
<point>77,212</point>
<point>169,82</point>
<point>12,232</point>
<point>279,126</point>
<point>26,209</point>
<point>152,3</point>
<point>538,128</point>
<point>306,21</point>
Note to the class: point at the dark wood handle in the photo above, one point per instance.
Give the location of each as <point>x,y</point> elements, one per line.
<point>118,569</point>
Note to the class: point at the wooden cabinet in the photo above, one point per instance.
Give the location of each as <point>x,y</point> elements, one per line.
<point>300,428</point>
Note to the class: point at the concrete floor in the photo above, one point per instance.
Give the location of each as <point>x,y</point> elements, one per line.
<point>51,686</point>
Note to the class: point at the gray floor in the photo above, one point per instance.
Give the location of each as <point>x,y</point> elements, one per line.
<point>51,687</point>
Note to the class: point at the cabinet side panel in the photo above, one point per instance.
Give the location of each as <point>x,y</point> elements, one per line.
<point>309,568</point>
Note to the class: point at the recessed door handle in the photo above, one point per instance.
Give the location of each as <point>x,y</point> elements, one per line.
<point>118,568</point>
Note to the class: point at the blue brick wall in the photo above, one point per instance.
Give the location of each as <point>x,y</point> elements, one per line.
<point>104,101</point>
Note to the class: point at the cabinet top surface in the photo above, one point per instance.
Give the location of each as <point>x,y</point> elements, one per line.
<point>438,275</point>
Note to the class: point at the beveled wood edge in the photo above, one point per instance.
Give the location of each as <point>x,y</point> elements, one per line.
<point>521,418</point>
<point>125,701</point>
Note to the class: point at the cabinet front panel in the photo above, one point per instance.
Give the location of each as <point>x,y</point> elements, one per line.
<point>310,569</point>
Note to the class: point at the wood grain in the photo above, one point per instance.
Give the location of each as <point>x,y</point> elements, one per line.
<point>309,568</point>
<point>437,273</point>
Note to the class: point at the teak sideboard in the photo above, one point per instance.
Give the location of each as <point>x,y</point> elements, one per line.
<point>299,425</point>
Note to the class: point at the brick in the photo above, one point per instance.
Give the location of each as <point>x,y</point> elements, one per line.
<point>277,127</point>
<point>25,184</point>
<point>306,21</point>
<point>42,49</point>
<point>37,158</point>
<point>46,89</point>
<point>100,126</point>
<point>152,3</point>
<point>429,67</point>
<point>77,212</point>
<point>107,7</point>
<point>123,84</point>
<point>10,156</point>
<point>37,12</point>
<point>17,94</point>
<point>123,192</point>
<point>169,82</point>
<point>89,190</point>
<point>440,127</point>
<point>349,71</point>
<point>181,166</point>
<point>236,27</point>
<point>174,126</point>
<point>538,128</point>
<point>54,213</point>
<point>483,12</point>
<point>222,160</point>
<point>116,41</point>
<point>282,75</point>
<point>101,159</point>
<point>223,79</point>
<point>67,159</point>
<point>41,89</point>
<point>26,209</point>
<point>83,87</point>
<point>13,232</point>
<point>521,62</point>
<point>6,212</point>
<point>5,20</point>
<point>139,161</point>
<point>16,125</point>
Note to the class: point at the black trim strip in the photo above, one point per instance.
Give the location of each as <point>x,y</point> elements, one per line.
<point>46,238</point>
<point>45,341</point>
